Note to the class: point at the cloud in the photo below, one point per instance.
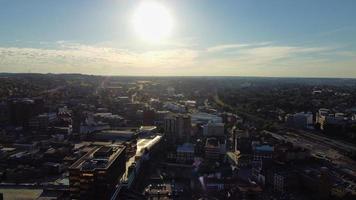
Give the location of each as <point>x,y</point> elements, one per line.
<point>225,47</point>
<point>76,57</point>
<point>264,58</point>
<point>283,60</point>
<point>267,54</point>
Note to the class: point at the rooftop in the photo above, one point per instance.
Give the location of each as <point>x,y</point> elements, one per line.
<point>98,158</point>
<point>186,147</point>
<point>264,148</point>
<point>148,128</point>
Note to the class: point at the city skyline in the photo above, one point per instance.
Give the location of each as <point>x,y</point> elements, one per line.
<point>208,38</point>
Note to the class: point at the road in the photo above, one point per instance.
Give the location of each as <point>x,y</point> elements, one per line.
<point>320,146</point>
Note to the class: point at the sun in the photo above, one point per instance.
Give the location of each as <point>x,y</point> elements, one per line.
<point>152,21</point>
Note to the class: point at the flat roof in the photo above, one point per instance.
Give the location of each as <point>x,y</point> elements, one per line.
<point>264,148</point>
<point>90,162</point>
<point>186,147</point>
<point>147,128</point>
<point>20,194</point>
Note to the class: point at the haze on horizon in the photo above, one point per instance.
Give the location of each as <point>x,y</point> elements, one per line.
<point>284,38</point>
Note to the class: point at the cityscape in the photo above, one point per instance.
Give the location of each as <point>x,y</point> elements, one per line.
<point>97,137</point>
<point>177,100</point>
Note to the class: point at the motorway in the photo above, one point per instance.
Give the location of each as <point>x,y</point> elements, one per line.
<point>318,148</point>
<point>339,145</point>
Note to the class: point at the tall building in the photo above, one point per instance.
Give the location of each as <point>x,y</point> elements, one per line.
<point>95,175</point>
<point>21,110</point>
<point>3,112</point>
<point>184,128</point>
<point>321,116</point>
<point>148,117</point>
<point>170,129</point>
<point>178,128</point>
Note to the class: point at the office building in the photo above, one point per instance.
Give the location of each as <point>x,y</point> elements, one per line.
<point>42,122</point>
<point>148,116</point>
<point>95,175</point>
<point>177,128</point>
<point>21,110</point>
<point>185,153</point>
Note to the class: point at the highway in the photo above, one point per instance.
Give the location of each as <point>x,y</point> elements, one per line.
<point>318,148</point>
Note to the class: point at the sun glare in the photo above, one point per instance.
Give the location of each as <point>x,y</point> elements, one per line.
<point>152,21</point>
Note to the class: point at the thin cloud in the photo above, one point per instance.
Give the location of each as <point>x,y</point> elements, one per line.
<point>237,59</point>
<point>225,47</point>
<point>78,55</point>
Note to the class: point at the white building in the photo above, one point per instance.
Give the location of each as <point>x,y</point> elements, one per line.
<point>324,116</point>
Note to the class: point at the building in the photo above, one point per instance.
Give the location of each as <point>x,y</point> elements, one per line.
<point>115,135</point>
<point>160,116</point>
<point>109,118</point>
<point>214,148</point>
<point>300,120</point>
<point>147,130</point>
<point>230,118</point>
<point>178,128</point>
<point>317,181</point>
<point>41,122</point>
<point>233,158</point>
<point>334,123</point>
<point>148,117</point>
<point>174,107</point>
<point>170,129</point>
<point>321,116</point>
<point>204,118</point>
<point>4,115</point>
<point>185,153</point>
<point>331,122</point>
<point>242,145</point>
<point>284,181</point>
<point>21,110</point>
<point>263,153</point>
<point>213,129</point>
<point>286,152</point>
<point>184,127</point>
<point>159,191</point>
<point>190,104</point>
<point>89,125</point>
<point>136,165</point>
<point>95,175</point>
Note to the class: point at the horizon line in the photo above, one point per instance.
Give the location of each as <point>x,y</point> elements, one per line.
<point>181,76</point>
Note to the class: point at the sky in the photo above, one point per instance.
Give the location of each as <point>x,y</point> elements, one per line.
<point>274,38</point>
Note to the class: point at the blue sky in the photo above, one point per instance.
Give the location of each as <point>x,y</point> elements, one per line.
<point>304,38</point>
